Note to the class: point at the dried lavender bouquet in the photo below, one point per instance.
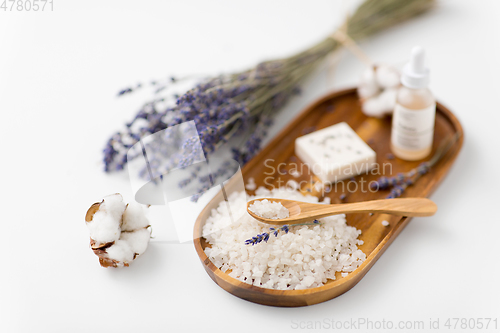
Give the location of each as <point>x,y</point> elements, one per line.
<point>242,104</point>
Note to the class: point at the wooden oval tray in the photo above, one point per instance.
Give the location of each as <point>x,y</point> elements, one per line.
<point>331,109</point>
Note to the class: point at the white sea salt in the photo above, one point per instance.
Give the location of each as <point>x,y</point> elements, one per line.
<point>269,209</point>
<point>305,257</point>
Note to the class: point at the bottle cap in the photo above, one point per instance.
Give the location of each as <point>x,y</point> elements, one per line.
<point>415,74</point>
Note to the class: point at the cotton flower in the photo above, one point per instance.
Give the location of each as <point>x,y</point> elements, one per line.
<point>104,220</point>
<point>378,89</point>
<point>119,233</point>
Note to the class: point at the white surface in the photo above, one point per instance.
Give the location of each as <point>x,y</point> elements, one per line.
<point>335,153</point>
<point>59,73</point>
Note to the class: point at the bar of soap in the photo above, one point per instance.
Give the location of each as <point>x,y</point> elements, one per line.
<point>335,153</point>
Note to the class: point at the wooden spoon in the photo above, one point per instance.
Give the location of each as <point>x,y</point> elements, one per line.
<point>301,212</point>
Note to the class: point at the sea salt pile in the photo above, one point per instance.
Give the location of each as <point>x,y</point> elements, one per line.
<point>269,209</point>
<point>303,258</point>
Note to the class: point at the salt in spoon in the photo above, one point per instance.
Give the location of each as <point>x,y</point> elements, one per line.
<point>301,212</point>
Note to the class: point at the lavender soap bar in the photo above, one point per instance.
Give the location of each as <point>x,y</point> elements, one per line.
<point>335,153</point>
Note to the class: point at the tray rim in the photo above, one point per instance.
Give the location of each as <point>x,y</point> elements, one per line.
<point>225,281</point>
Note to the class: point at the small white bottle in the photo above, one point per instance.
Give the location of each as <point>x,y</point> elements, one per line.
<point>415,112</point>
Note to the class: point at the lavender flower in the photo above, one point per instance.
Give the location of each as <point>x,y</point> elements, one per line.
<point>396,191</point>
<point>240,104</point>
<point>403,180</point>
<point>208,180</point>
<point>275,231</point>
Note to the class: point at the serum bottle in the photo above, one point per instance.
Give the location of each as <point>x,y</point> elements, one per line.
<point>414,115</point>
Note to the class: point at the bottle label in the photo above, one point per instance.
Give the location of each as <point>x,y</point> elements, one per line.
<point>413,129</point>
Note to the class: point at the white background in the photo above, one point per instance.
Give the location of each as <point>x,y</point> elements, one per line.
<point>59,75</point>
